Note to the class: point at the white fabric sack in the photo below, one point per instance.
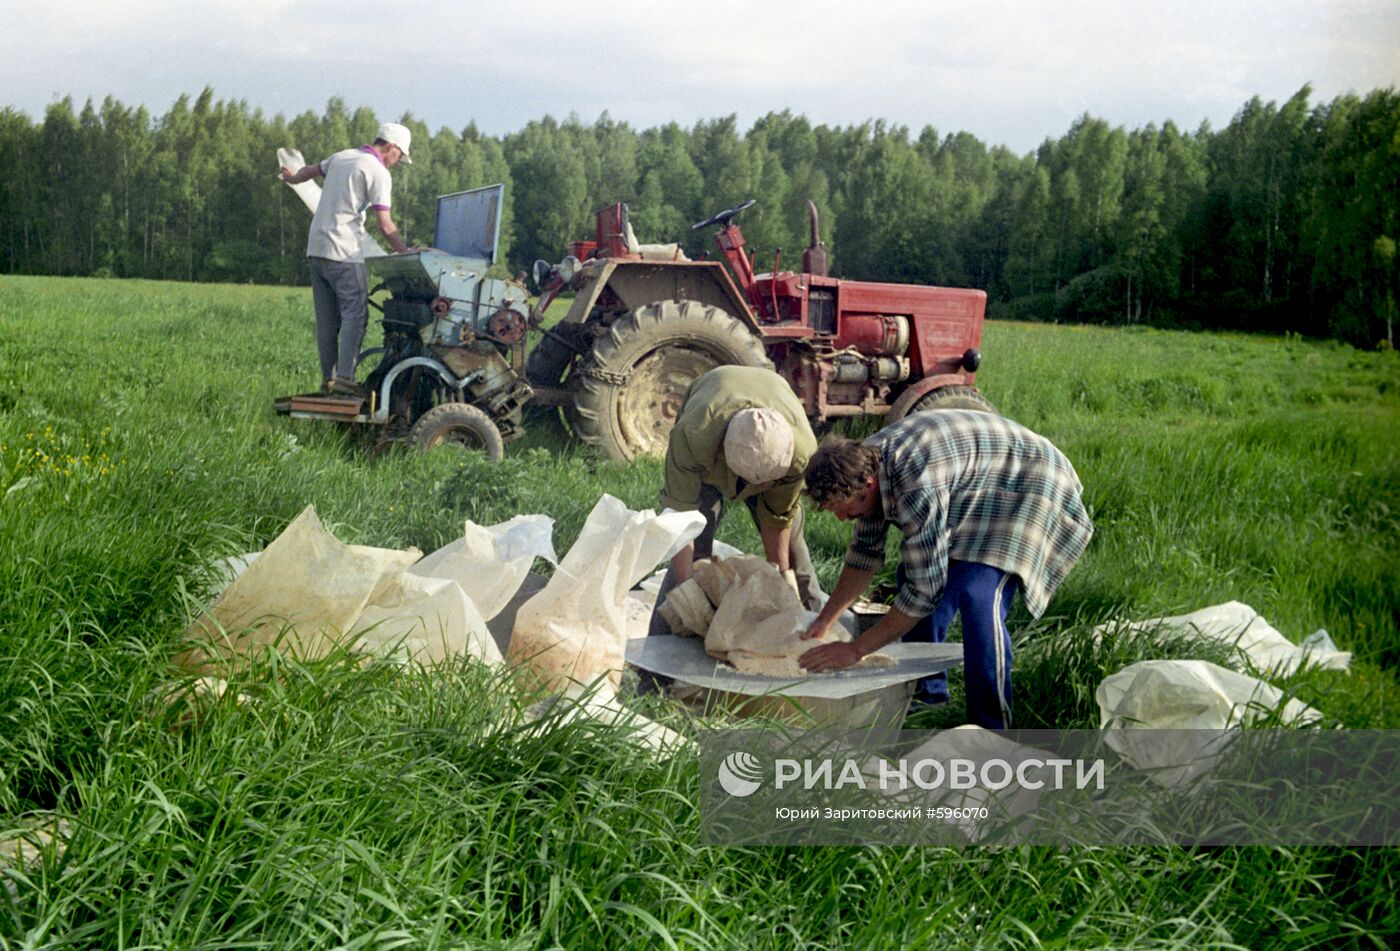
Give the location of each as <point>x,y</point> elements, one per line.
<point>424,613</point>
<point>424,620</point>
<point>757,627</point>
<point>1191,695</point>
<point>1185,695</point>
<point>651,587</point>
<point>304,592</point>
<point>1257,643</point>
<point>310,194</point>
<point>490,564</point>
<point>575,630</point>
<point>973,743</point>
<point>687,609</point>
<point>758,613</point>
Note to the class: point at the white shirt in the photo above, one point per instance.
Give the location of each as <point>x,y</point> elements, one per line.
<point>356,181</point>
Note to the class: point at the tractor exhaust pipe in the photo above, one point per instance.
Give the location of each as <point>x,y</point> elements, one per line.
<point>814,258</point>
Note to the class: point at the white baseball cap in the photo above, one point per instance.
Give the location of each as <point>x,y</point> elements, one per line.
<point>758,445</point>
<point>396,134</point>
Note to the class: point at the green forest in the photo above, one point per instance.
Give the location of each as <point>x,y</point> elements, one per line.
<point>1286,220</point>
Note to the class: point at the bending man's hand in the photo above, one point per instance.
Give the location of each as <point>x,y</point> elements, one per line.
<point>830,657</point>
<point>816,629</point>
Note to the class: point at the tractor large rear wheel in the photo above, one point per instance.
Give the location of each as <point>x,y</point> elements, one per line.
<point>632,386</point>
<point>953,397</point>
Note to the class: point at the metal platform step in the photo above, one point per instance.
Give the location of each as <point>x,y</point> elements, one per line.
<point>320,406</point>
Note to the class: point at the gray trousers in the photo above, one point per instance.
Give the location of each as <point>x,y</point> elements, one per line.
<point>340,291</point>
<point>711,505</point>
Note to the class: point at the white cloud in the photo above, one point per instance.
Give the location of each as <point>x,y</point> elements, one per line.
<point>1009,71</point>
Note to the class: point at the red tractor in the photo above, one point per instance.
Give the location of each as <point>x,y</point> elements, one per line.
<point>647,321</point>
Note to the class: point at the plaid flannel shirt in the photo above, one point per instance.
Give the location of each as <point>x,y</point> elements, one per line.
<point>974,487</point>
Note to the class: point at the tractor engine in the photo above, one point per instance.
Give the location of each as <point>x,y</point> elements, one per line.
<point>871,347</point>
<point>851,373</point>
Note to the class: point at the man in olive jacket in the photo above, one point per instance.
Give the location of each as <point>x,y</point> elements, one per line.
<point>742,436</point>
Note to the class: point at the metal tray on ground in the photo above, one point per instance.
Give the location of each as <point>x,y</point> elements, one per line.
<point>684,659</point>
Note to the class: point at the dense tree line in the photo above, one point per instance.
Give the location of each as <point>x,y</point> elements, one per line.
<point>1286,219</point>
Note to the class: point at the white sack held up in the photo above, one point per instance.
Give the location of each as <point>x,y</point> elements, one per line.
<point>575,630</point>
<point>310,195</point>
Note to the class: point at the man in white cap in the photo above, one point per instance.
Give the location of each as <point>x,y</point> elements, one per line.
<point>356,181</point>
<point>741,435</point>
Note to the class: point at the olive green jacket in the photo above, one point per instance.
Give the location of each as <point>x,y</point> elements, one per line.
<point>695,454</point>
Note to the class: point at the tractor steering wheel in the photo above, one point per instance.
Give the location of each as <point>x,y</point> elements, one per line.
<point>722,218</point>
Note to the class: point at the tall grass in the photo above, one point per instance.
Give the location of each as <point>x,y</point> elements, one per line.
<point>358,806</point>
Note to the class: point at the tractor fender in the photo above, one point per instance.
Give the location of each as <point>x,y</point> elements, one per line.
<point>386,387</point>
<point>927,385</point>
<point>638,283</point>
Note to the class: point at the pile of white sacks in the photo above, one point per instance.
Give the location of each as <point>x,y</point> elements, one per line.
<point>1200,695</point>
<point>308,593</point>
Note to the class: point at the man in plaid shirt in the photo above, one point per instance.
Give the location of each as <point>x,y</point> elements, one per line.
<point>986,507</point>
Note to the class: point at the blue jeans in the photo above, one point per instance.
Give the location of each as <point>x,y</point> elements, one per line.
<point>982,595</point>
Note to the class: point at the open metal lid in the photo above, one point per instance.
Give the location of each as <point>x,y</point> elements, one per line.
<point>469,223</point>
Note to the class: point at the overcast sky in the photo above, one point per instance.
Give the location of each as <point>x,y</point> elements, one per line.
<point>1011,72</point>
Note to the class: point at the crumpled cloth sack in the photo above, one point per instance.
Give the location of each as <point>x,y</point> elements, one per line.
<point>426,621</point>
<point>575,629</point>
<point>687,609</point>
<point>758,625</point>
<point>716,575</point>
<point>1198,700</point>
<point>758,614</point>
<point>1191,695</point>
<point>308,591</point>
<point>490,563</point>
<point>304,592</point>
<point>1257,643</point>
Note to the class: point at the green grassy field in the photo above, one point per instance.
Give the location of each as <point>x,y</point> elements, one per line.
<point>367,807</point>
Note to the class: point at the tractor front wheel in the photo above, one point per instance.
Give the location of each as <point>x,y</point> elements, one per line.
<point>632,386</point>
<point>953,397</point>
<point>461,425</point>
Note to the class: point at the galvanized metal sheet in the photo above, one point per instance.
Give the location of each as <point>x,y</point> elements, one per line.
<point>684,659</point>
<point>469,223</point>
